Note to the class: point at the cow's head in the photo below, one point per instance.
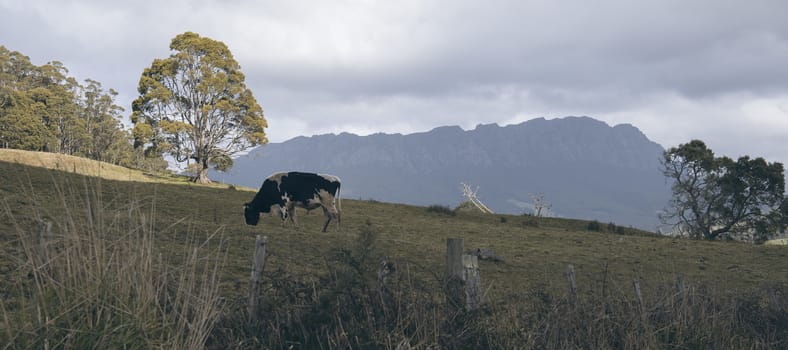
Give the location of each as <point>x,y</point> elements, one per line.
<point>251,214</point>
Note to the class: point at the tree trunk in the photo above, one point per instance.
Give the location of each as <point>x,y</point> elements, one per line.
<point>202,176</point>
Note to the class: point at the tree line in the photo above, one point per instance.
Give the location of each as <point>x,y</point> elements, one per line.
<point>193,106</point>
<point>42,108</point>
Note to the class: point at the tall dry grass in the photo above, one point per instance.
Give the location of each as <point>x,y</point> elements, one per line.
<point>119,270</point>
<point>91,276</point>
<point>366,300</point>
<point>680,316</point>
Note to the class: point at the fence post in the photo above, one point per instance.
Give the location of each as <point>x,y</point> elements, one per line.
<point>44,240</point>
<point>641,308</point>
<point>385,269</point>
<point>463,282</point>
<point>257,270</point>
<point>775,302</point>
<point>570,277</point>
<point>473,283</point>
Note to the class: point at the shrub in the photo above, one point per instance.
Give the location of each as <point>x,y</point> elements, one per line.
<point>466,206</point>
<point>441,209</point>
<point>594,226</point>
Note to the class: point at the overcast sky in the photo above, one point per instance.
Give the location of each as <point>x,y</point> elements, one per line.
<point>713,70</point>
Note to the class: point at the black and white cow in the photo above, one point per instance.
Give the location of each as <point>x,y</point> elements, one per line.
<point>282,192</point>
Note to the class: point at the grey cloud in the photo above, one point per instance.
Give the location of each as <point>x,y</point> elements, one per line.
<point>413,65</point>
<point>697,52</point>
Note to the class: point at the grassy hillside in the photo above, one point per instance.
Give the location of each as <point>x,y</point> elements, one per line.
<point>88,167</point>
<point>76,165</point>
<point>183,220</point>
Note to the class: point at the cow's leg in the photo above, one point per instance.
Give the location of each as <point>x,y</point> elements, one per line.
<point>328,218</point>
<point>291,210</point>
<point>332,210</point>
<point>277,210</point>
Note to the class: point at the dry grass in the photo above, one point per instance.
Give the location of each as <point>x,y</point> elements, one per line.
<point>92,168</point>
<point>75,165</point>
<point>311,277</point>
<point>91,274</point>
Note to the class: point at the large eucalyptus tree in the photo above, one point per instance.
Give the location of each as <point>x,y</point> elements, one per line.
<point>717,197</point>
<point>195,106</point>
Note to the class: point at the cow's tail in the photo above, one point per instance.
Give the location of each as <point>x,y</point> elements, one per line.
<point>339,204</point>
<point>339,199</point>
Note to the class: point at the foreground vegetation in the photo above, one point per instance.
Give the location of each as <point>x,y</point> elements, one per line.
<point>167,265</point>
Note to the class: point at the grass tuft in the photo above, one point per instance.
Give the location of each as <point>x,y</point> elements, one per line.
<point>91,275</point>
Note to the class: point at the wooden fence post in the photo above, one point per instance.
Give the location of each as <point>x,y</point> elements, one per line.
<point>463,282</point>
<point>639,295</point>
<point>257,270</point>
<point>570,277</point>
<point>775,302</point>
<point>44,240</point>
<point>454,248</point>
<point>473,283</point>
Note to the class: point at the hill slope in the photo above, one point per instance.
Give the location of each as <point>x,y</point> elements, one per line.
<point>89,167</point>
<point>306,273</point>
<point>76,165</point>
<point>535,250</point>
<point>585,168</point>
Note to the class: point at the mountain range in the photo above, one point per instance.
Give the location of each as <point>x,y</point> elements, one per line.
<point>583,168</point>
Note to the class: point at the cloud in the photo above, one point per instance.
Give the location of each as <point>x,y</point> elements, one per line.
<point>678,70</point>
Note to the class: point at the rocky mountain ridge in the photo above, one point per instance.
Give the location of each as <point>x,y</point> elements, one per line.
<point>582,166</point>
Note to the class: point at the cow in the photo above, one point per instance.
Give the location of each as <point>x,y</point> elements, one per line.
<point>282,192</point>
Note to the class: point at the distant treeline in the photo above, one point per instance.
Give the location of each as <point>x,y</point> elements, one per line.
<point>44,109</point>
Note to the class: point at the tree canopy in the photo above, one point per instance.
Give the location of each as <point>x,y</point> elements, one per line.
<point>717,197</point>
<point>195,106</point>
<point>44,109</point>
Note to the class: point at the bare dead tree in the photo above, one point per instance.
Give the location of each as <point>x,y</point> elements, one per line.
<point>473,199</point>
<point>540,204</point>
